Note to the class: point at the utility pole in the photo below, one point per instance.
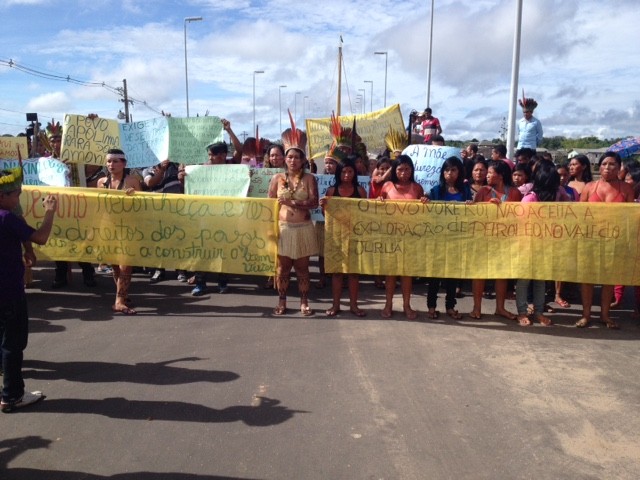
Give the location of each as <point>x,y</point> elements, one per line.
<point>126,101</point>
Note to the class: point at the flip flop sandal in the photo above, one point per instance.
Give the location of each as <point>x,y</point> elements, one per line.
<point>563,303</point>
<point>358,312</point>
<point>433,314</point>
<point>524,321</point>
<point>306,311</point>
<point>124,310</point>
<point>280,310</point>
<point>332,312</point>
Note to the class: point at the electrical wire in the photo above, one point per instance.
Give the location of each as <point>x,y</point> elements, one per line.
<point>119,91</point>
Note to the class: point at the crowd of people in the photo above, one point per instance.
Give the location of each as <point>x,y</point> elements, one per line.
<point>471,179</point>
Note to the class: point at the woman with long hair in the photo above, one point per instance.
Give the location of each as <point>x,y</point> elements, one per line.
<point>345,186</point>
<point>401,186</point>
<point>608,188</point>
<point>297,194</point>
<point>499,189</point>
<point>545,188</point>
<point>580,171</point>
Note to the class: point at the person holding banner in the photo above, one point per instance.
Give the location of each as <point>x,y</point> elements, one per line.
<point>402,186</point>
<point>608,188</point>
<point>117,179</point>
<point>345,186</point>
<point>499,189</point>
<point>297,194</point>
<point>451,188</point>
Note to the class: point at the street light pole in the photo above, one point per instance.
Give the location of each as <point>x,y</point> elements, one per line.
<point>304,107</point>
<point>430,51</point>
<point>386,58</point>
<point>254,97</point>
<point>280,103</point>
<point>364,100</point>
<point>186,76</point>
<point>371,94</point>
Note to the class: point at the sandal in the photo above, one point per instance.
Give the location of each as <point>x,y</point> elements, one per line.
<point>562,302</point>
<point>306,311</point>
<point>612,325</point>
<point>582,323</point>
<point>433,313</point>
<point>280,310</point>
<point>475,315</point>
<point>125,310</point>
<point>332,312</point>
<point>358,312</point>
<point>545,321</point>
<point>524,321</point>
<point>453,313</point>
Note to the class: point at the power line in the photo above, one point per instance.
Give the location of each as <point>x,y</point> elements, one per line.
<point>61,78</point>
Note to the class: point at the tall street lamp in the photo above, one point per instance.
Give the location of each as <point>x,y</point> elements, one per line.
<point>386,58</point>
<point>186,76</point>
<point>304,107</point>
<point>280,103</point>
<point>371,94</point>
<point>254,97</point>
<point>430,52</point>
<point>364,100</point>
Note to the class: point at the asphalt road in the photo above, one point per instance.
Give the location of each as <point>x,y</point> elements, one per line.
<point>216,387</point>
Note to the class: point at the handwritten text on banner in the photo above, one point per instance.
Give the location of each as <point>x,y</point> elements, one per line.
<point>574,242</point>
<point>170,231</point>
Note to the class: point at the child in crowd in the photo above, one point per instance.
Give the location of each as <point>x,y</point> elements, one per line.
<point>381,174</point>
<point>14,320</point>
<point>521,177</point>
<point>451,188</point>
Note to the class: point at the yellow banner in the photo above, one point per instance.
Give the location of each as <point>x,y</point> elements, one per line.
<point>573,242</point>
<point>194,233</point>
<point>372,127</point>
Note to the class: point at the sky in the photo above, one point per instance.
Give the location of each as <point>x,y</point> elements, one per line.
<point>578,60</point>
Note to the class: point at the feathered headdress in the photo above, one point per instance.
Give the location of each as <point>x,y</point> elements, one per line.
<point>396,142</point>
<point>11,178</point>
<point>335,153</point>
<point>527,104</point>
<point>255,147</point>
<point>294,137</point>
<point>342,136</point>
<point>54,129</point>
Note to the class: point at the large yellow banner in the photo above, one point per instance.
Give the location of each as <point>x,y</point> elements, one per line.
<point>573,242</point>
<point>195,233</point>
<point>372,127</point>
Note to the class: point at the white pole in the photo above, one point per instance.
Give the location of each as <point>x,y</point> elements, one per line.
<point>430,52</point>
<point>515,72</point>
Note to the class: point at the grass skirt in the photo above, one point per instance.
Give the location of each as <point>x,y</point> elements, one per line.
<point>297,240</point>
